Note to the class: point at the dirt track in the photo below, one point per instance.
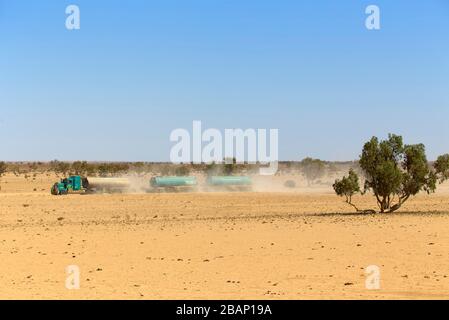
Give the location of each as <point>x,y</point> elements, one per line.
<point>217,245</point>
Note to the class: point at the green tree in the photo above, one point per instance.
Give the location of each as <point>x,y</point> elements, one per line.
<point>139,168</point>
<point>33,166</point>
<point>394,172</point>
<point>3,169</point>
<point>229,166</point>
<point>61,167</point>
<point>347,187</point>
<point>119,168</point>
<point>182,170</point>
<point>15,168</point>
<point>79,167</point>
<point>442,167</point>
<point>165,169</point>
<point>312,169</point>
<point>91,169</point>
<point>53,165</point>
<point>103,169</point>
<point>228,169</point>
<point>211,168</point>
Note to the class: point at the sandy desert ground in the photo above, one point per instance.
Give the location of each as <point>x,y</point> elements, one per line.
<point>260,245</point>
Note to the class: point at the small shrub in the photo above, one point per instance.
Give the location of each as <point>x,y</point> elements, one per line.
<point>290,184</point>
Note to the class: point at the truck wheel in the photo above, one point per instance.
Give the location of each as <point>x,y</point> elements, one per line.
<point>54,190</point>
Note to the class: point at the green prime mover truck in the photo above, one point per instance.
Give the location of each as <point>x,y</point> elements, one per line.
<point>70,184</point>
<point>78,184</point>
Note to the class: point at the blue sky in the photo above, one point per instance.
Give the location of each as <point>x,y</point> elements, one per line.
<point>137,69</point>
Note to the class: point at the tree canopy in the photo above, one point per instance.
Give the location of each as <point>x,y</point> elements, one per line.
<point>394,172</point>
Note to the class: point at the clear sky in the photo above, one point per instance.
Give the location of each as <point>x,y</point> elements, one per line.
<point>137,69</point>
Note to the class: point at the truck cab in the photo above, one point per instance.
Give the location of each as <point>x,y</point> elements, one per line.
<point>69,185</point>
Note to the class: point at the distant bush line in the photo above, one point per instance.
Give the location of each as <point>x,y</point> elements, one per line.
<point>312,170</point>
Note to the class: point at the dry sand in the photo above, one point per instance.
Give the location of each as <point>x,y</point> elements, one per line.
<point>217,245</point>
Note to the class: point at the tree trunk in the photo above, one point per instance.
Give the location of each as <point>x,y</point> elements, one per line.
<point>397,206</point>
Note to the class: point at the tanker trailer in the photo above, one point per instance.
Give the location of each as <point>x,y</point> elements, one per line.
<point>230,183</point>
<point>173,184</point>
<point>108,185</point>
